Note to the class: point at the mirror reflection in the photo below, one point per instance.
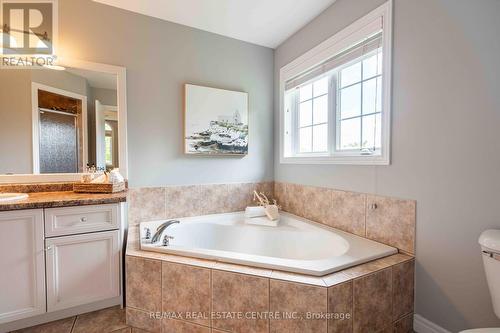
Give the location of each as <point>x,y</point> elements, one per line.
<point>57,121</point>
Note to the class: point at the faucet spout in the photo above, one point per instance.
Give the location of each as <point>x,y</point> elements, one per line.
<point>160,229</point>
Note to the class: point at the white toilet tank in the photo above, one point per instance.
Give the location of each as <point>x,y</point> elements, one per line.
<point>490,245</point>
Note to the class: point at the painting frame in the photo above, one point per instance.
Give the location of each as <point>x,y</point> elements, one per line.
<point>215,121</point>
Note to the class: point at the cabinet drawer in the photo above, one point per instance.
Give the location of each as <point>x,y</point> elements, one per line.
<point>81,219</point>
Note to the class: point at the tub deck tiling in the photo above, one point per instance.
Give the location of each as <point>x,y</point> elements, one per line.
<point>373,297</point>
<point>133,249</point>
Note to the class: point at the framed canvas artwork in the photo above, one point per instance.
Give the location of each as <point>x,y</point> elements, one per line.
<point>215,121</point>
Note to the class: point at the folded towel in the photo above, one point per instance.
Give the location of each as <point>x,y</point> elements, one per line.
<point>262,221</point>
<point>272,212</point>
<point>256,211</point>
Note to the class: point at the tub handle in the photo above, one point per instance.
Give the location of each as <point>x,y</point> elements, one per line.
<point>167,239</point>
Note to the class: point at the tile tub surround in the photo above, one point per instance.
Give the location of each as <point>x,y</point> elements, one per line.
<point>154,203</point>
<point>373,297</point>
<point>386,220</point>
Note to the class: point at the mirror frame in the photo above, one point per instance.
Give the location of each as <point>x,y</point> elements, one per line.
<point>121,90</point>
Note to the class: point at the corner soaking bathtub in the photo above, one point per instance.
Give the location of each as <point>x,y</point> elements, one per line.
<point>295,245</point>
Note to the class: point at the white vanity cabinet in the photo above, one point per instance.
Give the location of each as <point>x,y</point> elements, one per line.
<point>59,260</point>
<point>82,269</point>
<point>22,265</point>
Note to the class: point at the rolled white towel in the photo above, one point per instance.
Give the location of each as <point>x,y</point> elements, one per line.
<point>262,221</point>
<point>255,211</point>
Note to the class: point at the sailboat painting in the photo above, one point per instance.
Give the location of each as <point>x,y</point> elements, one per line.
<point>216,121</point>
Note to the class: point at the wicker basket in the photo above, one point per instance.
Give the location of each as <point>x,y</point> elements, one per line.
<point>98,187</point>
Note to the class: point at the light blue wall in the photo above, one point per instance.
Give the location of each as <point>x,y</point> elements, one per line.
<point>445,142</point>
<point>160,57</point>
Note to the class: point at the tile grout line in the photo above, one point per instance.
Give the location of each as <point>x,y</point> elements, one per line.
<point>73,325</point>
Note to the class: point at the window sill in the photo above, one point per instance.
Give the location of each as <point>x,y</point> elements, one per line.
<point>342,160</point>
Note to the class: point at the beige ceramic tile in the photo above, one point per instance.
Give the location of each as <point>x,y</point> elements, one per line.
<point>124,330</point>
<point>296,197</point>
<point>299,278</point>
<point>267,188</point>
<point>183,201</point>
<point>106,320</point>
<point>288,297</point>
<point>240,196</point>
<point>395,259</point>
<point>366,268</point>
<point>243,269</point>
<point>137,330</point>
<point>214,199</point>
<point>280,195</point>
<point>372,310</point>
<point>391,222</point>
<point>186,290</point>
<point>143,280</point>
<point>233,292</point>
<point>340,308</point>
<point>403,288</point>
<point>171,258</point>
<point>142,320</point>
<point>146,204</point>
<point>404,325</point>
<point>348,212</point>
<point>318,204</point>
<point>335,278</point>
<point>59,326</point>
<point>178,326</point>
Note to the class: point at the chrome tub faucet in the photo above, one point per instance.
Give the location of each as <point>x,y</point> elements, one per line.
<point>161,228</point>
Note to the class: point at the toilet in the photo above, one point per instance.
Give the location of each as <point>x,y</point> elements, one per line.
<point>490,247</point>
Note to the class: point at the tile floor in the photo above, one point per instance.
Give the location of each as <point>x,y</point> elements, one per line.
<point>102,321</point>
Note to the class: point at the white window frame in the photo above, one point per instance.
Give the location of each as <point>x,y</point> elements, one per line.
<point>341,41</point>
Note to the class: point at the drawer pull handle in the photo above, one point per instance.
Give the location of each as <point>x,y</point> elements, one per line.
<point>83,219</point>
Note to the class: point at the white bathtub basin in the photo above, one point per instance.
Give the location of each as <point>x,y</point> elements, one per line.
<point>8,197</point>
<point>296,245</point>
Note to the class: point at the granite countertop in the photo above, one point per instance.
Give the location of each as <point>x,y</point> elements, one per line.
<point>63,199</point>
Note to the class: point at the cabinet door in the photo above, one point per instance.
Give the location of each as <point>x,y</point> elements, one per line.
<point>22,266</point>
<point>82,269</point>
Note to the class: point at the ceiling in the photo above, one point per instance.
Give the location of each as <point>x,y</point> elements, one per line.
<point>95,79</point>
<point>263,22</point>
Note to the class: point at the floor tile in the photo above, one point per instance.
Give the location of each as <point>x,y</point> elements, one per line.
<point>107,320</point>
<point>59,326</point>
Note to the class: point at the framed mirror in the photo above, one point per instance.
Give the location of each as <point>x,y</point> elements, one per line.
<point>57,122</point>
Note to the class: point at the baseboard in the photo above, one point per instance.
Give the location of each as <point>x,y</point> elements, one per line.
<point>422,325</point>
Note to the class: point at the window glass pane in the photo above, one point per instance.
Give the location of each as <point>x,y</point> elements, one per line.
<point>350,101</point>
<point>321,87</point>
<point>305,92</point>
<point>305,140</point>
<point>350,75</point>
<point>378,131</point>
<point>371,131</point>
<point>379,94</point>
<point>320,138</point>
<point>370,67</point>
<point>369,96</point>
<point>350,133</point>
<point>320,110</point>
<point>379,63</point>
<point>305,114</point>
